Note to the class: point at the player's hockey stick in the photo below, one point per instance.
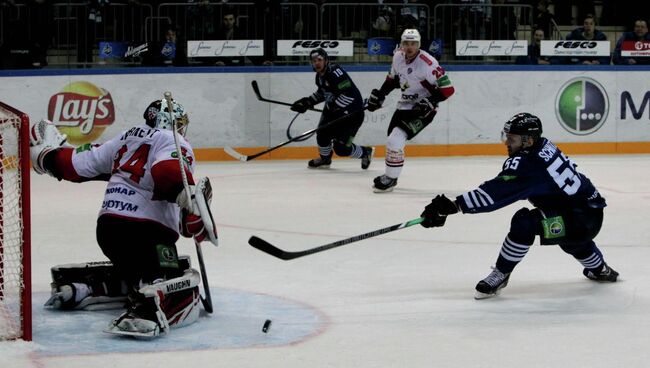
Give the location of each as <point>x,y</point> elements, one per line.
<point>241,157</point>
<point>256,89</point>
<point>207,300</point>
<point>269,248</point>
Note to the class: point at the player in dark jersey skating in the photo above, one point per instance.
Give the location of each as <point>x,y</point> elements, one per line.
<point>568,209</point>
<point>342,97</point>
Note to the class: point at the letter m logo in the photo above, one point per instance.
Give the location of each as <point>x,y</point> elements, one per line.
<point>626,100</point>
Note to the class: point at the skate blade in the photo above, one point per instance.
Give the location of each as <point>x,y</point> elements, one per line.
<point>479,295</point>
<point>114,330</point>
<point>387,190</point>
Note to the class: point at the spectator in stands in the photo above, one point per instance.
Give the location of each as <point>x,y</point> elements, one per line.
<point>169,51</point>
<point>534,51</point>
<point>640,33</point>
<point>501,22</point>
<point>229,31</point>
<point>544,19</point>
<point>383,24</point>
<point>587,32</point>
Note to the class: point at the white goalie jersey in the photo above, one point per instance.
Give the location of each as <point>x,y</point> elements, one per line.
<point>416,78</point>
<point>139,161</point>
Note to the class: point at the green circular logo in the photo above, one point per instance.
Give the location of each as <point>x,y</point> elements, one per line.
<point>582,106</point>
<point>555,228</point>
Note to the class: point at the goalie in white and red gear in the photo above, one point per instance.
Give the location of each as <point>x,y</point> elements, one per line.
<point>139,220</point>
<point>423,84</point>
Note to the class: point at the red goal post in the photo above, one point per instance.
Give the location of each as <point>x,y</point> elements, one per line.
<point>15,240</point>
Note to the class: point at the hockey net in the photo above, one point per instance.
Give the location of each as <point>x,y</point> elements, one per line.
<point>15,255</point>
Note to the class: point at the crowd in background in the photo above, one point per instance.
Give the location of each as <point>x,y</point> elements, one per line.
<point>31,30</point>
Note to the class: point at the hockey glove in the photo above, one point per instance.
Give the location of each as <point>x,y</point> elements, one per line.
<point>375,100</point>
<point>424,107</point>
<point>192,226</point>
<point>435,213</point>
<point>302,105</point>
<point>44,138</point>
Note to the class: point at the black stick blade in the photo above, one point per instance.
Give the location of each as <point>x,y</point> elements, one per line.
<point>256,89</point>
<point>269,248</point>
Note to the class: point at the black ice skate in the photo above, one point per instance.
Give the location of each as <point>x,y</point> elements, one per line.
<point>366,158</point>
<point>605,274</point>
<point>322,162</point>
<point>490,286</point>
<point>383,184</point>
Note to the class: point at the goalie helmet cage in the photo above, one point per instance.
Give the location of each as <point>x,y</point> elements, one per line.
<point>15,242</point>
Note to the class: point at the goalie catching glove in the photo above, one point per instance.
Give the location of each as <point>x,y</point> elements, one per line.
<point>196,217</point>
<point>44,138</point>
<point>435,213</point>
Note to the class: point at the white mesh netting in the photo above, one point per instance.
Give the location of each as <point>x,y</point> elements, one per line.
<point>11,228</point>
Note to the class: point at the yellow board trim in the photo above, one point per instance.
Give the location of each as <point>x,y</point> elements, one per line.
<point>428,150</point>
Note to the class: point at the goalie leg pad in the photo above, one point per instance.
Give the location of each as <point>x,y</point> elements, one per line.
<point>89,286</point>
<point>161,306</point>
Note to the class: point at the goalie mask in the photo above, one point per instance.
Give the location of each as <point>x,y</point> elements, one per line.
<point>157,116</point>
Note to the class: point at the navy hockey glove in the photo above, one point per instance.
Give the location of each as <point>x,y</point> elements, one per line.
<point>375,100</point>
<point>302,105</point>
<point>435,213</point>
<point>424,107</point>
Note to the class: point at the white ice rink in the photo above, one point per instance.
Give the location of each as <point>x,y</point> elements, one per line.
<point>404,299</point>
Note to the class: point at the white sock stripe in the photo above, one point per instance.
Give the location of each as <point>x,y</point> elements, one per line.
<point>513,251</point>
<point>324,151</point>
<point>593,261</point>
<point>509,257</point>
<point>357,151</point>
<point>516,245</point>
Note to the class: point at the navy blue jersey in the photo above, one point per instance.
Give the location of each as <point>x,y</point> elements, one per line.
<point>543,175</point>
<point>338,91</point>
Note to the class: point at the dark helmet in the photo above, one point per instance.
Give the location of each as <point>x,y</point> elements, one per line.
<point>524,124</point>
<point>319,52</point>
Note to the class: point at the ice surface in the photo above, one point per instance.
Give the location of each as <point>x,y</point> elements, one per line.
<point>403,299</point>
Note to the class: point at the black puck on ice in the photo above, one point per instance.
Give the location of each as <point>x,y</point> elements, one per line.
<point>266,326</point>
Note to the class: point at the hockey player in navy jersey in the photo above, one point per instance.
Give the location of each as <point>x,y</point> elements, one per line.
<point>568,209</point>
<point>342,97</point>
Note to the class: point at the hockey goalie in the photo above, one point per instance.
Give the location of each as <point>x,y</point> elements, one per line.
<point>145,208</point>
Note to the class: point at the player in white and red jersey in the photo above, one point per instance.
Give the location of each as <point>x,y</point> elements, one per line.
<point>138,223</point>
<point>424,84</point>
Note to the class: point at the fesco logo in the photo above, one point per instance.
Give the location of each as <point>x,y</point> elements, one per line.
<point>314,44</point>
<point>582,106</point>
<point>576,44</point>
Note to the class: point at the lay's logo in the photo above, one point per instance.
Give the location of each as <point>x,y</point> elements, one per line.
<point>82,111</point>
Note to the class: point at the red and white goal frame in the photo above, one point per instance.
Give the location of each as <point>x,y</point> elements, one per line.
<point>15,230</point>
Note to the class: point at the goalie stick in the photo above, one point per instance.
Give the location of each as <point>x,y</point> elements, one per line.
<point>256,89</point>
<point>269,248</point>
<point>207,300</point>
<point>244,158</point>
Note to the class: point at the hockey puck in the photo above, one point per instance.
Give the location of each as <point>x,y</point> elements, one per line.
<point>266,326</point>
